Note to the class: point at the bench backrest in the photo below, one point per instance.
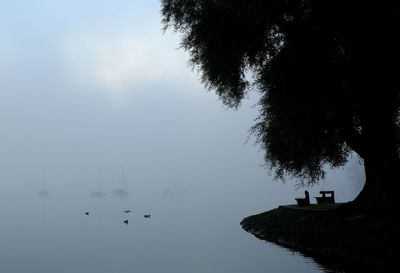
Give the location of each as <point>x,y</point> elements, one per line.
<point>324,193</point>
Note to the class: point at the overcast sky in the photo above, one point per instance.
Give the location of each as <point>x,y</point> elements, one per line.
<point>95,86</point>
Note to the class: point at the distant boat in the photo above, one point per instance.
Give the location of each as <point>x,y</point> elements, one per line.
<point>125,221</point>
<point>87,213</point>
<point>147,216</point>
<point>121,192</point>
<point>127,211</point>
<point>43,193</point>
<point>98,194</point>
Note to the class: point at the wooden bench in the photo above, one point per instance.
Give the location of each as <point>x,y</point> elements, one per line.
<point>327,197</point>
<point>304,201</point>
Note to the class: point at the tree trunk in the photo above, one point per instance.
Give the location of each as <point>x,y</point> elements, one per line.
<point>380,154</point>
<point>380,192</point>
<point>376,98</point>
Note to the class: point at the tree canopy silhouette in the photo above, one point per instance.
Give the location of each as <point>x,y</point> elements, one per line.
<point>328,72</point>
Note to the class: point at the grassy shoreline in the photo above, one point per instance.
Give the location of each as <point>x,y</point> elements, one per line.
<point>355,242</point>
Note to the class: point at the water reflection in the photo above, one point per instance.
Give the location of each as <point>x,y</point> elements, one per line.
<point>192,232</point>
<point>335,266</point>
<point>329,265</point>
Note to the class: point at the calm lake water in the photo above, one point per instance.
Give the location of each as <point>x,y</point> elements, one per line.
<point>187,232</point>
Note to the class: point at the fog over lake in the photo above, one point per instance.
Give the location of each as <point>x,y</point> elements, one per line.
<point>100,113</point>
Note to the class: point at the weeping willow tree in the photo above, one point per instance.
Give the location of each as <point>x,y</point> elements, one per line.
<point>328,74</point>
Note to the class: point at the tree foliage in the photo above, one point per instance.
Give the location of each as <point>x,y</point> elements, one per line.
<point>327,71</point>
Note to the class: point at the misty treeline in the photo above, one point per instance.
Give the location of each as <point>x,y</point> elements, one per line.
<point>327,72</point>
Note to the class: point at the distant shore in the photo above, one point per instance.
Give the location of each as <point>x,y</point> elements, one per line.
<point>355,243</point>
